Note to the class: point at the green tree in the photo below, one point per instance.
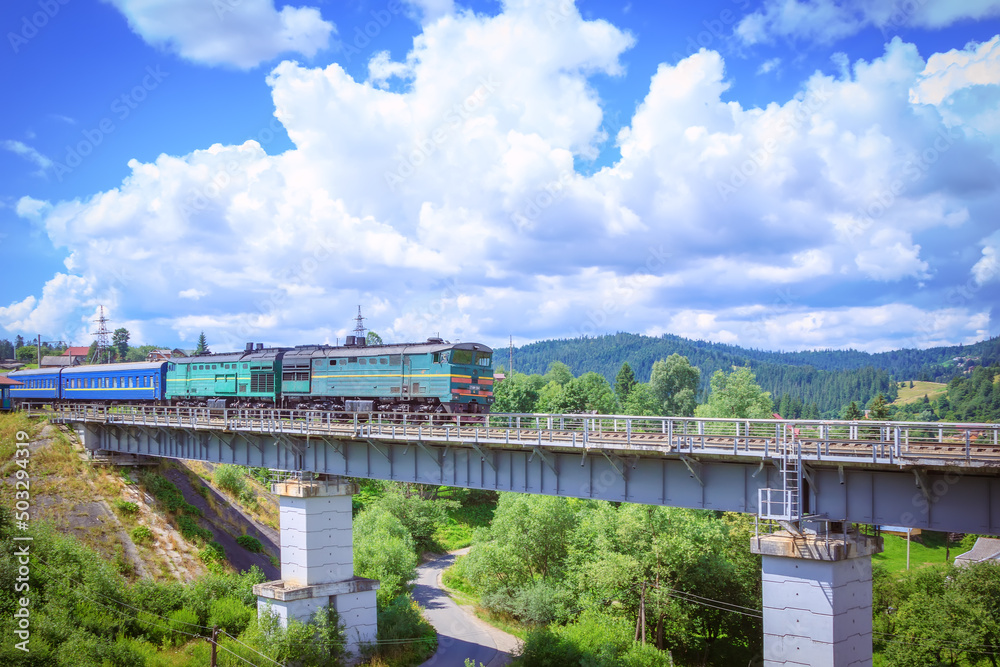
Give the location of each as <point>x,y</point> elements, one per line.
<point>18,341</point>
<point>384,550</point>
<point>736,395</point>
<point>140,353</point>
<point>597,394</point>
<point>27,354</point>
<point>373,338</point>
<point>202,347</point>
<point>559,373</point>
<point>551,398</point>
<point>674,381</point>
<point>851,412</point>
<point>878,409</point>
<point>642,402</point>
<point>119,341</point>
<point>515,393</point>
<point>6,349</point>
<point>624,382</point>
<point>562,399</point>
<point>528,539</point>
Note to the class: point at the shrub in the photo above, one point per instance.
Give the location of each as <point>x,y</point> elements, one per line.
<point>248,499</point>
<point>383,550</point>
<point>230,614</point>
<point>191,530</point>
<point>126,507</point>
<point>183,621</point>
<point>212,553</point>
<point>142,535</point>
<point>230,478</point>
<point>163,490</point>
<point>250,543</point>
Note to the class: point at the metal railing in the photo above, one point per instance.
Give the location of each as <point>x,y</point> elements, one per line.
<point>776,505</point>
<point>875,442</point>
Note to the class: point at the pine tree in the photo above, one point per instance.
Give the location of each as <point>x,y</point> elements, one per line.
<point>624,382</point>
<point>119,341</point>
<point>852,413</point>
<point>202,345</point>
<point>878,409</point>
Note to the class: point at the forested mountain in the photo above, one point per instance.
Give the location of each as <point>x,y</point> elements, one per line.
<point>829,378</point>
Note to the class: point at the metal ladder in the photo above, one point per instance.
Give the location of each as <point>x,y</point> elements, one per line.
<point>784,504</point>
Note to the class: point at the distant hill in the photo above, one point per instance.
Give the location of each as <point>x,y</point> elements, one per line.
<point>829,378</point>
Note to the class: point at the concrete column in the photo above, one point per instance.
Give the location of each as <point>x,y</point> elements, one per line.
<point>317,560</point>
<point>817,597</point>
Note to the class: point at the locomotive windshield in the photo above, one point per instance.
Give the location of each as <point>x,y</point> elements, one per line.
<point>469,357</point>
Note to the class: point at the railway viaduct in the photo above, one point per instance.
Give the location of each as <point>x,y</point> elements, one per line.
<point>815,480</point>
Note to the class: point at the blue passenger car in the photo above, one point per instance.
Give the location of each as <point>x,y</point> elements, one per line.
<point>39,384</point>
<point>114,382</point>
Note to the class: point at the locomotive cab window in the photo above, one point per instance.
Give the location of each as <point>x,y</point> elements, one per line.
<point>483,358</point>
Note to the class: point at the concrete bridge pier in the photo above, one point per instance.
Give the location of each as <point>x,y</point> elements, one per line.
<point>817,595</point>
<point>317,560</point>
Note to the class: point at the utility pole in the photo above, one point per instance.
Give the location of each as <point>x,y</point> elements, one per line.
<point>38,349</point>
<point>510,357</point>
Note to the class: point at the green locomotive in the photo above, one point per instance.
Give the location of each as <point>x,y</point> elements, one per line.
<point>430,377</point>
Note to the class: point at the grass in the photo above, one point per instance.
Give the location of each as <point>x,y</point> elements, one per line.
<point>926,550</point>
<point>920,388</point>
<point>462,522</point>
<point>459,588</point>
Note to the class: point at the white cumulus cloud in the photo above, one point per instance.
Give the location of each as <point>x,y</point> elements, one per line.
<point>242,33</point>
<point>826,21</point>
<point>453,205</point>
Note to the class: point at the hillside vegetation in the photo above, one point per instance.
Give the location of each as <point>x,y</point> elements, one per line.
<point>829,378</point>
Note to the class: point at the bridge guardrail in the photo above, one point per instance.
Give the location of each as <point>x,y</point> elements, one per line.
<point>877,442</point>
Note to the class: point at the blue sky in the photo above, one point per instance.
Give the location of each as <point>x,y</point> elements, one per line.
<point>784,174</point>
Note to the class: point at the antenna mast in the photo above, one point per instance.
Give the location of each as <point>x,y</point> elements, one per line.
<point>103,350</point>
<point>359,328</point>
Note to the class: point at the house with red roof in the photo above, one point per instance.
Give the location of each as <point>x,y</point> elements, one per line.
<point>77,355</point>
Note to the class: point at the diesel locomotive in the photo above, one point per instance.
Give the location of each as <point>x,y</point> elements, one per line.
<point>434,376</point>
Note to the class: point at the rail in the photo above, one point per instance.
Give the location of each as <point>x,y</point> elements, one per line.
<point>894,443</point>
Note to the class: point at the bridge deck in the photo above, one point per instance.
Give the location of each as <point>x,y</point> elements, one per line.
<point>934,476</point>
<point>879,443</point>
